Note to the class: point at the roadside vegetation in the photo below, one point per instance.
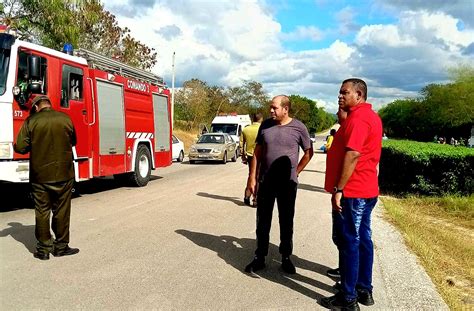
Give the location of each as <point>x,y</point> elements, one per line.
<point>440,231</point>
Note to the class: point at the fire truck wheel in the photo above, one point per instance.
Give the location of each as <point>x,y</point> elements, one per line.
<point>224,159</point>
<point>181,156</point>
<point>141,175</point>
<point>234,158</point>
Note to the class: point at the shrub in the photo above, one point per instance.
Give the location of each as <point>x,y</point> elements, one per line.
<point>426,168</point>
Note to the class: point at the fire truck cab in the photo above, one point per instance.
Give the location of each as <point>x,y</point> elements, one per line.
<point>121,114</point>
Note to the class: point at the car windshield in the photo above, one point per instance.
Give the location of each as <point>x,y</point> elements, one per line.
<point>211,139</point>
<point>5,47</point>
<point>230,129</point>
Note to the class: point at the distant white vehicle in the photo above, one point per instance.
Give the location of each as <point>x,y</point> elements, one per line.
<point>178,149</point>
<point>231,124</point>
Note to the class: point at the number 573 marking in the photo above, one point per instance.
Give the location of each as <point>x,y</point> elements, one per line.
<point>18,113</point>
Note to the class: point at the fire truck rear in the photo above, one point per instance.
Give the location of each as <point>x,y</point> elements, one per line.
<point>121,114</point>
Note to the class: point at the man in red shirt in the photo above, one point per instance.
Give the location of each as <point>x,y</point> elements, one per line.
<point>351,177</point>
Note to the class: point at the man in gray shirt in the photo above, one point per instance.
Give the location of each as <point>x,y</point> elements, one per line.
<point>276,154</point>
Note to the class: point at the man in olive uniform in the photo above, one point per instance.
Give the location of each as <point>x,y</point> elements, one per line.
<point>49,136</point>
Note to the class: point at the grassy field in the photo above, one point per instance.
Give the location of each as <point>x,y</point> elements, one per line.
<point>188,138</point>
<point>440,231</point>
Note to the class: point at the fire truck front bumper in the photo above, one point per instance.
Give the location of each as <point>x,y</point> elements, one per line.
<point>15,171</point>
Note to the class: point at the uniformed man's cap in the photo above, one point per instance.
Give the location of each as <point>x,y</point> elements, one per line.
<point>39,98</point>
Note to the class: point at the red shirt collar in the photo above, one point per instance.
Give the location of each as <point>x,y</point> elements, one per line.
<point>360,106</point>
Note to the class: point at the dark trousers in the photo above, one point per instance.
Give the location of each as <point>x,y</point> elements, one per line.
<point>353,238</point>
<point>55,198</point>
<point>284,192</point>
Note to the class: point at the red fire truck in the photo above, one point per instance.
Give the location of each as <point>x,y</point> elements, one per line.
<point>121,114</point>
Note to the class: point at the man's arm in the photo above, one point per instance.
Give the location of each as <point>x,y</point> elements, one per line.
<point>242,147</point>
<point>23,141</point>
<point>308,154</point>
<point>256,159</point>
<point>350,161</point>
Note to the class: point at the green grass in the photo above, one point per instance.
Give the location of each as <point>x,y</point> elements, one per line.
<point>440,231</point>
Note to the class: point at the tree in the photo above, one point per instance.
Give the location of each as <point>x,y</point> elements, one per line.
<point>85,24</point>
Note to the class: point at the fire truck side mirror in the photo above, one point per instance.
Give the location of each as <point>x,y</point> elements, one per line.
<point>34,67</point>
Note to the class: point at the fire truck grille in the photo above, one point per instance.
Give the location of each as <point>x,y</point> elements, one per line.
<point>204,150</point>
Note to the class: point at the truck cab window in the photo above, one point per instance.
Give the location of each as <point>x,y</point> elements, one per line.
<point>31,75</point>
<point>72,86</point>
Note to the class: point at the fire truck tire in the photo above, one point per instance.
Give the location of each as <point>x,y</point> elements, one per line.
<point>224,158</point>
<point>181,156</point>
<point>141,174</point>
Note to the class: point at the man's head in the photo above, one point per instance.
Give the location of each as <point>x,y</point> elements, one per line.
<point>332,132</point>
<point>353,92</point>
<point>280,107</point>
<point>40,102</point>
<point>257,117</point>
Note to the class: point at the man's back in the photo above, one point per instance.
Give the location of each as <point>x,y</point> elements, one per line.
<point>49,136</point>
<point>249,135</point>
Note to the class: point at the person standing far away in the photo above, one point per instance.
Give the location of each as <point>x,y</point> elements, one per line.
<point>49,136</point>
<point>276,155</point>
<point>351,177</point>
<point>247,147</point>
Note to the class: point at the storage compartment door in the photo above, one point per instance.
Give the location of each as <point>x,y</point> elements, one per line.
<point>162,124</point>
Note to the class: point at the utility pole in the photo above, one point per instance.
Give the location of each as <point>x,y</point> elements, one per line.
<point>172,93</point>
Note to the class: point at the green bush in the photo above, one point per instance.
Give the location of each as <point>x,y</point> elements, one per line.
<point>426,168</point>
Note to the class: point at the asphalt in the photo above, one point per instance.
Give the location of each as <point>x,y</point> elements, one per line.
<point>182,242</point>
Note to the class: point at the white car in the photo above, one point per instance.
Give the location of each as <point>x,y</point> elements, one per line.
<point>178,149</point>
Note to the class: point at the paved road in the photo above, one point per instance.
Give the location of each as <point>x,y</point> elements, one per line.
<point>181,243</point>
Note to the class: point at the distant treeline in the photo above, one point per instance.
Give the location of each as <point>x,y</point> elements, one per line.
<point>443,110</point>
<point>197,103</point>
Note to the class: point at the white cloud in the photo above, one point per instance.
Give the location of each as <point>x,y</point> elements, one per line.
<point>303,32</point>
<point>227,42</point>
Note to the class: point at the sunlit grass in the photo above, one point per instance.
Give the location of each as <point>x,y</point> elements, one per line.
<point>440,230</point>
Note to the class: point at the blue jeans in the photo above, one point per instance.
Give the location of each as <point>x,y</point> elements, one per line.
<point>353,238</point>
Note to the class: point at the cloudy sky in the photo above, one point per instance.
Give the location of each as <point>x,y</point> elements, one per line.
<point>306,47</point>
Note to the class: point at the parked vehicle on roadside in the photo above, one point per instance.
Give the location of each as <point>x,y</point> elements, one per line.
<point>213,147</point>
<point>178,149</point>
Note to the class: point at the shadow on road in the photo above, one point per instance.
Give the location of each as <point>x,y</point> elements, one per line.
<point>311,188</point>
<point>239,252</point>
<point>21,233</point>
<point>236,201</point>
<point>15,197</point>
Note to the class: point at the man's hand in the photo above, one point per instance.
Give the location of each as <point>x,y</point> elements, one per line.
<point>251,183</point>
<point>244,158</point>
<point>336,202</point>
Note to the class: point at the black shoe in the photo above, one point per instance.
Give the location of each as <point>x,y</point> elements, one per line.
<point>337,286</point>
<point>41,255</point>
<point>337,302</point>
<point>333,273</point>
<point>247,201</point>
<point>365,297</point>
<point>287,265</point>
<point>68,251</point>
<point>256,264</point>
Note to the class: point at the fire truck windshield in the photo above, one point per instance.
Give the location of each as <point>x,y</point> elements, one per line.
<point>6,42</point>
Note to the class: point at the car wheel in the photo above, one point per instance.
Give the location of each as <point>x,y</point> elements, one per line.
<point>224,159</point>
<point>181,156</point>
<point>141,174</point>
<point>234,158</point>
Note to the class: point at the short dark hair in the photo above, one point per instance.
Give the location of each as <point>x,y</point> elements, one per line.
<point>257,117</point>
<point>359,85</point>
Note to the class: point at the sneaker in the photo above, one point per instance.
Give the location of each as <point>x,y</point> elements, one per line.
<point>365,297</point>
<point>287,265</point>
<point>337,302</point>
<point>41,255</point>
<point>247,201</point>
<point>333,273</point>
<point>68,251</point>
<point>256,264</point>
